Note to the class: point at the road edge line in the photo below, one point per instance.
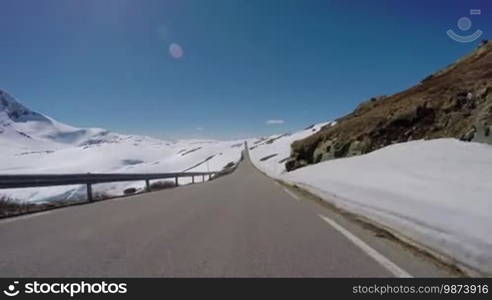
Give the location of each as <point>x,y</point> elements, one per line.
<point>25,216</point>
<point>374,254</point>
<point>292,195</point>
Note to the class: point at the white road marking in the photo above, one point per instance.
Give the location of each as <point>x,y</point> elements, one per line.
<point>385,262</point>
<point>292,195</point>
<point>13,219</point>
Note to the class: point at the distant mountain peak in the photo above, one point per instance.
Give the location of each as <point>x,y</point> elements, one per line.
<point>17,112</point>
<point>17,122</point>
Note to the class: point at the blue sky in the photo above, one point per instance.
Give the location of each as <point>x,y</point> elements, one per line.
<point>107,63</point>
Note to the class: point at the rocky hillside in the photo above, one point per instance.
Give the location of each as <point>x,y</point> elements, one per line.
<point>454,102</point>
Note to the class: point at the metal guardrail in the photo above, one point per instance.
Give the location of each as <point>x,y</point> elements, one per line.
<point>42,180</point>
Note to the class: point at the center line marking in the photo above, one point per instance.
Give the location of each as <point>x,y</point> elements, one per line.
<point>385,262</point>
<point>292,195</point>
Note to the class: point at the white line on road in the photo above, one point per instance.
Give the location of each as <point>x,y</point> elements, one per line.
<point>13,219</point>
<point>386,263</point>
<point>292,195</point>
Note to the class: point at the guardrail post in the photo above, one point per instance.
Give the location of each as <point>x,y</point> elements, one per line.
<point>176,181</point>
<point>89,192</point>
<point>147,185</point>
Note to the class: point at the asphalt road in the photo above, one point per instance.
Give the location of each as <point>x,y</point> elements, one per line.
<point>240,225</point>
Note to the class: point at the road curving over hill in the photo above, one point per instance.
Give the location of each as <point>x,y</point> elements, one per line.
<point>240,225</point>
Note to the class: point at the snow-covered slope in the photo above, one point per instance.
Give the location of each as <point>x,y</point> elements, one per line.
<point>436,192</point>
<point>272,152</point>
<point>34,143</point>
<point>22,128</point>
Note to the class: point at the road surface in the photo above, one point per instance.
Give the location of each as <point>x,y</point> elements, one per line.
<point>240,225</point>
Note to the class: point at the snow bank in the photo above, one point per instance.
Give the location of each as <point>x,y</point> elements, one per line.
<point>437,193</point>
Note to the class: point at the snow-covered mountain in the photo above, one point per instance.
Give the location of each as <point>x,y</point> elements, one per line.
<point>22,127</point>
<point>31,142</point>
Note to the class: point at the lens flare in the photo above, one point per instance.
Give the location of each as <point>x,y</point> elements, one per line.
<point>176,51</point>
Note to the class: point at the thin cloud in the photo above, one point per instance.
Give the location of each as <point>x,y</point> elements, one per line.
<point>275,122</point>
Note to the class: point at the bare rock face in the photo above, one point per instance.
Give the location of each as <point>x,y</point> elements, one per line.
<point>455,102</point>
